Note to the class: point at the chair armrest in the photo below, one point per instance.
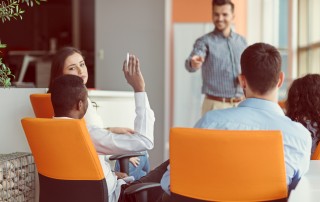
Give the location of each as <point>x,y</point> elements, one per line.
<point>121,156</point>
<point>141,190</point>
<point>124,160</point>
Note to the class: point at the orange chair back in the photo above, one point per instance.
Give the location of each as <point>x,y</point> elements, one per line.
<point>282,104</point>
<point>225,165</point>
<point>68,165</point>
<point>42,106</point>
<point>316,154</point>
<point>62,148</point>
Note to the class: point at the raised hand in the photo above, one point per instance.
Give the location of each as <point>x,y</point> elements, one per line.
<point>133,74</point>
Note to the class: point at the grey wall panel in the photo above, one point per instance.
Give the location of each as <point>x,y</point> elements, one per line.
<point>138,27</point>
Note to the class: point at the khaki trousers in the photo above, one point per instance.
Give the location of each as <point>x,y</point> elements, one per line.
<point>209,105</point>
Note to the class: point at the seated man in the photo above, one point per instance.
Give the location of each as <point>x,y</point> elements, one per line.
<point>261,79</point>
<point>69,100</point>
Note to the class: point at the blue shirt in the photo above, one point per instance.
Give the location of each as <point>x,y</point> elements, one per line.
<point>259,114</point>
<point>221,65</point>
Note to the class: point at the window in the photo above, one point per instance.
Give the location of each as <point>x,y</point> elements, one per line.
<point>309,37</point>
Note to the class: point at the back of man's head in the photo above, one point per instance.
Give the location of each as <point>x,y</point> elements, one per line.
<point>222,3</point>
<point>66,92</point>
<point>261,66</point>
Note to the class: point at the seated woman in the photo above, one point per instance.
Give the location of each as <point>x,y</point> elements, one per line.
<point>303,105</point>
<point>69,60</point>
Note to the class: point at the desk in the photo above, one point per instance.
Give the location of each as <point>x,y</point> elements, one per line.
<point>308,189</point>
<point>42,68</point>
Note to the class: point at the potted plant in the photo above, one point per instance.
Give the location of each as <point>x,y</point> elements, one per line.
<point>10,9</point>
<point>5,72</point>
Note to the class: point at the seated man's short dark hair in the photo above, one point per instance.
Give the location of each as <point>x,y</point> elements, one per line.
<point>66,92</point>
<point>261,65</point>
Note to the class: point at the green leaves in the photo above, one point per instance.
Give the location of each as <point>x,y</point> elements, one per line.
<point>11,8</point>
<point>5,74</point>
<point>2,46</point>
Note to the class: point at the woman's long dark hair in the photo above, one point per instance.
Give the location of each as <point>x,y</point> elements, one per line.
<point>303,102</point>
<point>58,63</point>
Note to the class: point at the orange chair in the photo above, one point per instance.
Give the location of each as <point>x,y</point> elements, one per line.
<point>67,162</point>
<point>232,165</point>
<point>316,154</point>
<point>282,104</point>
<point>42,106</point>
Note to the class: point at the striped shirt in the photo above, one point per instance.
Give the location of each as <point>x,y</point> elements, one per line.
<point>221,65</point>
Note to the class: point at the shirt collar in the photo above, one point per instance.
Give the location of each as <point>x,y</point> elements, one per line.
<point>219,33</point>
<point>262,104</point>
<point>61,117</point>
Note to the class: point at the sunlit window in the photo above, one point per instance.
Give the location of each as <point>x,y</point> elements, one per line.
<point>309,37</point>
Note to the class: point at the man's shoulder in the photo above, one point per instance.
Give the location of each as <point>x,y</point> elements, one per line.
<point>221,116</point>
<point>299,129</point>
<point>239,37</point>
<point>294,133</point>
<point>221,112</point>
<point>206,36</point>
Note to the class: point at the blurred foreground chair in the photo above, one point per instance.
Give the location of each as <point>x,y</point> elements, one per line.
<point>42,106</point>
<point>316,154</point>
<point>68,166</point>
<point>231,166</point>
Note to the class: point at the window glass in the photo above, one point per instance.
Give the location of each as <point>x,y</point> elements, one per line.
<point>303,23</point>
<point>314,60</point>
<point>314,24</point>
<point>283,24</point>
<point>303,63</point>
<point>309,37</point>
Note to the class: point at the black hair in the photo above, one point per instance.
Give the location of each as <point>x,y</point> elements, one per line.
<point>66,92</point>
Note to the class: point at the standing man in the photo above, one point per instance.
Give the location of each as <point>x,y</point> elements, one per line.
<point>218,55</point>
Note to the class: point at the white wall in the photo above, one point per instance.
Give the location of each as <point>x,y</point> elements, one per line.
<point>116,108</point>
<point>187,86</point>
<point>15,104</point>
<point>137,27</point>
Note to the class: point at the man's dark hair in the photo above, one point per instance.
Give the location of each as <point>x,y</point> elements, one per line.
<point>66,92</point>
<point>261,66</point>
<point>223,2</point>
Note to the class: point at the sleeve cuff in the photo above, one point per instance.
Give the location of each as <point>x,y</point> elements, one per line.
<point>141,99</point>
